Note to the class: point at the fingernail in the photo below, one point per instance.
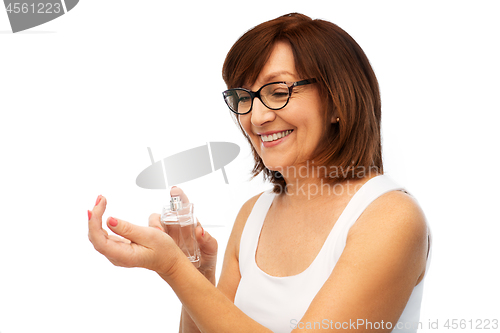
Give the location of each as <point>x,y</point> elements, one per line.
<point>113,222</point>
<point>90,214</point>
<point>98,200</point>
<point>202,232</point>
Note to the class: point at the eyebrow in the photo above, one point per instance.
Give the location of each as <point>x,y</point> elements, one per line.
<point>271,76</point>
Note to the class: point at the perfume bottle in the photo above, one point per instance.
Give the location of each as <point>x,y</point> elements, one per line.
<point>179,222</point>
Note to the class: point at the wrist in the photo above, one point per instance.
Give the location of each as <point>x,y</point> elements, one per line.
<point>209,274</point>
<point>171,263</point>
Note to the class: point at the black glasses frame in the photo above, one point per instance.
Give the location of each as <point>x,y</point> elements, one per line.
<point>254,94</point>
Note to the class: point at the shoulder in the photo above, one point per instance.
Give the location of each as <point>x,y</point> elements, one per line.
<point>247,207</point>
<point>395,211</point>
<point>383,260</point>
<point>394,224</point>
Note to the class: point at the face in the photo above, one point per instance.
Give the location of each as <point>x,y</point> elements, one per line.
<point>300,123</point>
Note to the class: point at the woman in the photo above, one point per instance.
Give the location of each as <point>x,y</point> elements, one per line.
<point>335,245</point>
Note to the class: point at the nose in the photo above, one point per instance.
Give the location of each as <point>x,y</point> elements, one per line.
<point>260,114</point>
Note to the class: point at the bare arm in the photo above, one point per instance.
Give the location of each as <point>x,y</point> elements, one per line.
<point>208,256</point>
<point>225,293</point>
<point>230,275</point>
<point>383,260</point>
<point>187,324</point>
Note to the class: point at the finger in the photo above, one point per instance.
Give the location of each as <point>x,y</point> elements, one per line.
<point>95,222</point>
<point>154,221</point>
<point>100,206</point>
<point>176,191</point>
<point>206,242</point>
<point>119,239</point>
<point>120,251</point>
<point>140,235</point>
<point>97,235</point>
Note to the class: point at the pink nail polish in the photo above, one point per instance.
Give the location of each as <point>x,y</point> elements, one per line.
<point>113,222</point>
<point>98,200</point>
<point>202,232</point>
<point>90,214</point>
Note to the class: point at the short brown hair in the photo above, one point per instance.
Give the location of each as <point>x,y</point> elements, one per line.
<point>345,79</point>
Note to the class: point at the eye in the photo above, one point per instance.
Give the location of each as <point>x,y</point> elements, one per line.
<point>279,93</point>
<point>244,99</point>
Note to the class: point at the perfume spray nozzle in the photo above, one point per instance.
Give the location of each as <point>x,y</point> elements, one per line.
<point>175,203</point>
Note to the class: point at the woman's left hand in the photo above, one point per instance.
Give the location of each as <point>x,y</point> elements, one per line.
<point>140,246</point>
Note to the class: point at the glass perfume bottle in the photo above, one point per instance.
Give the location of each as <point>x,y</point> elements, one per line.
<point>179,222</point>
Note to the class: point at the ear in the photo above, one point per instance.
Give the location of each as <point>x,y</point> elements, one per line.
<point>335,118</point>
<point>334,113</point>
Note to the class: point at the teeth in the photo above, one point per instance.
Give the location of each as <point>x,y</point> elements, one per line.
<point>275,136</point>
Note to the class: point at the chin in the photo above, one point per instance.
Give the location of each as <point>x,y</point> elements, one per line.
<point>277,166</point>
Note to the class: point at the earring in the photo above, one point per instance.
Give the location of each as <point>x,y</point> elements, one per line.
<point>338,119</point>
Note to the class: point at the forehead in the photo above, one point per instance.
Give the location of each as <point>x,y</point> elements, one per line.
<point>279,67</point>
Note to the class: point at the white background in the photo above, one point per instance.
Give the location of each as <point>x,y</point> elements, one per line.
<point>83,96</point>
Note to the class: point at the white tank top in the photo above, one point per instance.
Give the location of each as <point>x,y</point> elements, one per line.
<point>279,303</point>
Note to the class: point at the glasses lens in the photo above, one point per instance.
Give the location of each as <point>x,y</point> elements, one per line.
<point>275,96</point>
<point>238,100</point>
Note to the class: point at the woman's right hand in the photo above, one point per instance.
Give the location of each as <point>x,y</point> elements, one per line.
<point>207,244</point>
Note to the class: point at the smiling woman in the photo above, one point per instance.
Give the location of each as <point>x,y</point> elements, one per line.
<point>346,84</point>
<point>327,117</point>
<point>301,117</point>
<point>321,246</point>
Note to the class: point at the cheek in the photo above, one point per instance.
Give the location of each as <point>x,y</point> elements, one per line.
<point>244,123</point>
<point>314,133</point>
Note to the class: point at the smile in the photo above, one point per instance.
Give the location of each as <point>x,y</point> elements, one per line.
<point>275,136</point>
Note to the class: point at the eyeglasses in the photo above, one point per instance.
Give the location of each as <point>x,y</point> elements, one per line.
<point>274,96</point>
